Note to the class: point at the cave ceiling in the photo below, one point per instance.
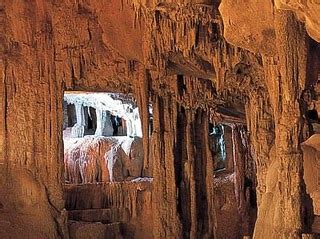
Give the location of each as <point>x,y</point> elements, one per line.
<point>99,44</point>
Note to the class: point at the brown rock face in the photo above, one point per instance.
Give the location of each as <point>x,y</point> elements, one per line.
<point>311,170</point>
<point>307,12</point>
<point>252,29</point>
<point>275,190</point>
<point>171,55</point>
<point>134,161</point>
<point>112,210</point>
<point>119,26</point>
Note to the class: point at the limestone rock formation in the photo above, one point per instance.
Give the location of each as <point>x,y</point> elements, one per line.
<point>102,159</point>
<point>311,170</point>
<point>252,29</point>
<point>104,210</point>
<point>197,63</point>
<point>307,12</point>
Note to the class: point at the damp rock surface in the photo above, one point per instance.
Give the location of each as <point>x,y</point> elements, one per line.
<point>102,159</point>
<point>196,64</point>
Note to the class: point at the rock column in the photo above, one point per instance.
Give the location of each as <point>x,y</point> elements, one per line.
<point>104,124</point>
<point>78,128</point>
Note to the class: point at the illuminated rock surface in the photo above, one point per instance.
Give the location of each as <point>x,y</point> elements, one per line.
<point>197,62</point>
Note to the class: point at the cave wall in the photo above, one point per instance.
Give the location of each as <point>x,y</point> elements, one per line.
<point>31,184</point>
<point>127,202</point>
<point>182,172</point>
<point>306,11</point>
<point>292,52</point>
<point>235,189</point>
<point>45,48</point>
<point>3,127</point>
<point>279,167</point>
<point>49,46</point>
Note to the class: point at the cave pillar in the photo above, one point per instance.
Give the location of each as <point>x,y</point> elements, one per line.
<point>201,177</point>
<point>164,199</point>
<point>2,114</point>
<point>65,115</point>
<point>104,124</point>
<point>285,77</point>
<point>141,89</point>
<point>239,171</point>
<point>183,173</point>
<point>229,148</point>
<point>130,126</point>
<point>77,130</point>
<point>292,50</point>
<point>183,166</point>
<point>260,125</point>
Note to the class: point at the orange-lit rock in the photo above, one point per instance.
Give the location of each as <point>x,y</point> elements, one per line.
<point>245,64</point>
<point>307,12</point>
<point>311,170</point>
<point>252,29</point>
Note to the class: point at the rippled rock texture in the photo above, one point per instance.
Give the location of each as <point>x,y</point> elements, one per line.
<point>197,63</point>
<point>102,159</point>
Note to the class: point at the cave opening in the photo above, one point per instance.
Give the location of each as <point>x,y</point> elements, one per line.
<point>105,181</point>
<point>218,145</point>
<point>102,137</point>
<point>235,180</point>
<point>309,98</point>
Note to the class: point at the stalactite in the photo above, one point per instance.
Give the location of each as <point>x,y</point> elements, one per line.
<point>187,121</point>
<point>261,129</point>
<point>244,179</point>
<point>164,205</point>
<point>142,93</point>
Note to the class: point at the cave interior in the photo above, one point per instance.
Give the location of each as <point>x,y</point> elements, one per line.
<point>143,119</point>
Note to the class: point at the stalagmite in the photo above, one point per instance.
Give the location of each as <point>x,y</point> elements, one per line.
<point>78,128</point>
<point>104,125</point>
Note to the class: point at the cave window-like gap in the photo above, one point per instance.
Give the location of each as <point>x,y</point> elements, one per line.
<point>150,120</point>
<point>116,124</point>
<point>102,165</point>
<point>215,32</point>
<point>95,123</point>
<point>71,115</point>
<point>90,123</point>
<point>91,120</point>
<point>218,146</point>
<point>311,94</point>
<point>313,66</point>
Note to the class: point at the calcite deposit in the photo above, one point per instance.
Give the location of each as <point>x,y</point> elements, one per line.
<point>102,159</point>
<point>192,66</point>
